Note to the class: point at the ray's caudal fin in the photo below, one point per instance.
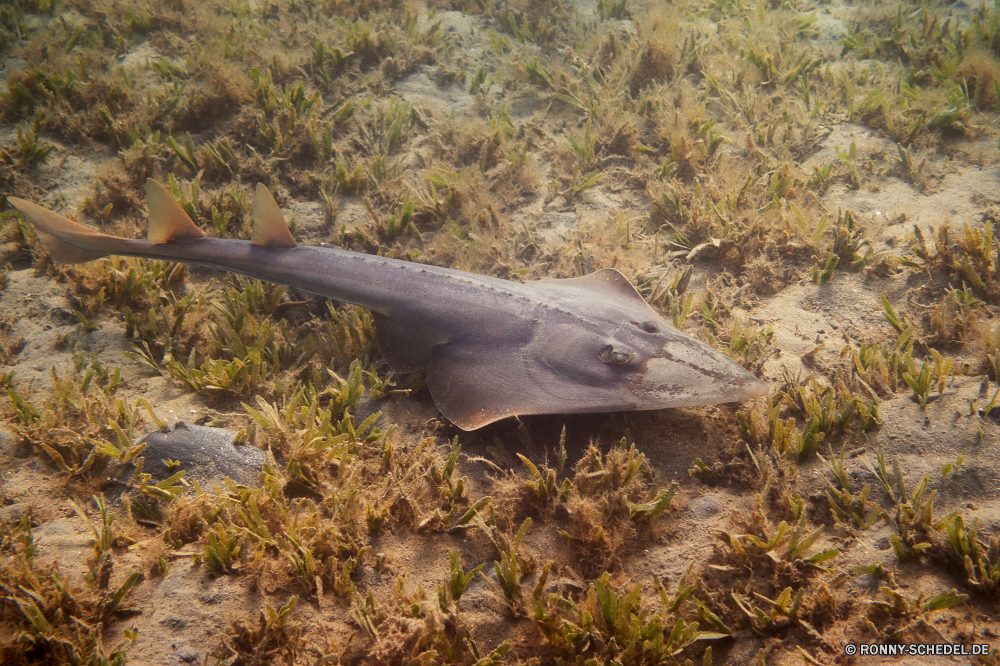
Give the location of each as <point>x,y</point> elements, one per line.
<point>491,348</point>
<point>68,242</point>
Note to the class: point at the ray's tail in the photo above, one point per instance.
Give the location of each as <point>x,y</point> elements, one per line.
<point>70,242</point>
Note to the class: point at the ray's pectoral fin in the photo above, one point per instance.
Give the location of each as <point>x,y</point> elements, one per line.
<point>475,385</point>
<point>534,370</point>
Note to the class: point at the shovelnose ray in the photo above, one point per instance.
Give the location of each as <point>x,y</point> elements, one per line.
<point>491,348</point>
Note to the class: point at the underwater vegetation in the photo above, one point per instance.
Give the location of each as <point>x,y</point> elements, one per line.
<point>767,174</point>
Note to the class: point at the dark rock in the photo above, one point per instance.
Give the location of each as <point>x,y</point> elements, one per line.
<point>188,656</point>
<point>61,316</point>
<point>704,507</point>
<point>13,513</point>
<point>207,455</point>
<point>174,622</point>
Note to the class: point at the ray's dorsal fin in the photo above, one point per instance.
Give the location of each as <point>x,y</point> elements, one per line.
<point>269,226</point>
<point>611,281</point>
<point>167,220</point>
<point>607,282</point>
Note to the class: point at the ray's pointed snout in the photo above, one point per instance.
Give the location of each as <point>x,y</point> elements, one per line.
<point>748,388</point>
<point>689,373</point>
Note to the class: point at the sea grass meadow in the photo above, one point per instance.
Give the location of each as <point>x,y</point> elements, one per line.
<point>812,187</point>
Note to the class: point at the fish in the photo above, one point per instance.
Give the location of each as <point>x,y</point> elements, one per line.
<point>491,348</point>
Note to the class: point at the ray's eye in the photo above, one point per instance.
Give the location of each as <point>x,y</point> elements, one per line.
<point>609,355</point>
<point>621,358</point>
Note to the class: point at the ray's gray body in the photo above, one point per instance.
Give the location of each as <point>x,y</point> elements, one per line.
<point>494,348</point>
<point>491,348</point>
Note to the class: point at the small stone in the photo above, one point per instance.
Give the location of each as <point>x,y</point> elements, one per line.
<point>705,507</point>
<point>207,455</point>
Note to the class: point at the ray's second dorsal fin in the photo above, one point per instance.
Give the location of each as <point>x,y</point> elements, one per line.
<point>269,226</point>
<point>167,220</point>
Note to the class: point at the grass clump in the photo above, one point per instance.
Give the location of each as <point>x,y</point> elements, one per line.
<point>248,347</point>
<point>53,621</point>
<point>971,257</point>
<point>783,546</point>
<point>605,623</point>
<point>657,64</point>
<point>849,510</point>
<point>303,519</point>
<point>914,612</point>
<point>451,590</point>
<point>407,624</point>
<point>914,517</point>
<point>30,151</point>
<point>506,569</point>
<point>767,573</point>
<point>979,560</point>
<point>273,635</point>
<point>83,426</point>
<point>135,285</point>
<point>826,412</point>
<point>609,500</point>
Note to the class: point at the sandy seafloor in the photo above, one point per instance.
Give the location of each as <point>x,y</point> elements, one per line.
<point>648,103</point>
